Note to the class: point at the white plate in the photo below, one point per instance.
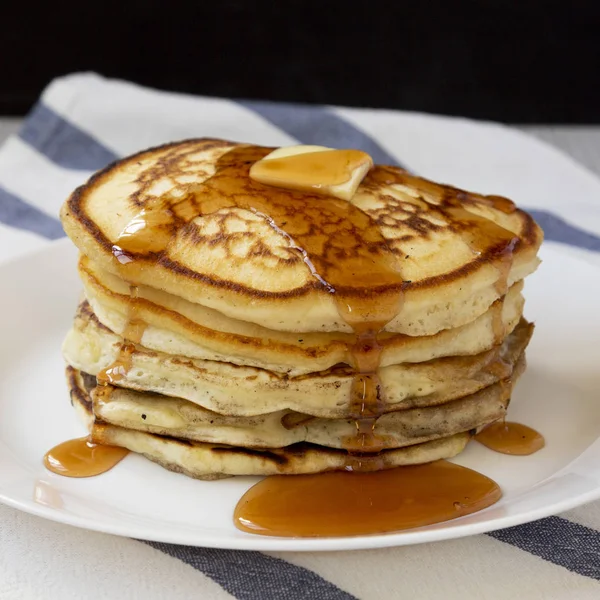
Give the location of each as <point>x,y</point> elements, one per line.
<point>558,395</point>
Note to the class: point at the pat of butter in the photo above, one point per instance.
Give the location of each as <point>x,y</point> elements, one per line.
<point>315,169</point>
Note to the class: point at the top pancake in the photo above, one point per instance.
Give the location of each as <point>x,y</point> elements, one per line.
<point>288,260</point>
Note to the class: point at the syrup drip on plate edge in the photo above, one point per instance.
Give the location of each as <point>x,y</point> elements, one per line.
<point>366,259</point>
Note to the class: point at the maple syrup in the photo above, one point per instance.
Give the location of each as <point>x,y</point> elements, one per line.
<point>342,503</point>
<point>502,204</point>
<point>366,404</point>
<point>82,458</point>
<point>508,437</point>
<point>339,503</point>
<point>483,235</point>
<point>132,335</point>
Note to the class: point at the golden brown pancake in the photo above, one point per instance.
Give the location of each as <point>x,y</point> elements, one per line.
<point>234,390</point>
<point>231,327</point>
<point>182,328</point>
<point>163,415</point>
<point>214,461</point>
<point>248,264</point>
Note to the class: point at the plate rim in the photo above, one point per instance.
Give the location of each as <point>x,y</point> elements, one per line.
<point>317,544</point>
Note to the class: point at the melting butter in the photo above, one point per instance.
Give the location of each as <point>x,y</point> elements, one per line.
<point>315,169</point>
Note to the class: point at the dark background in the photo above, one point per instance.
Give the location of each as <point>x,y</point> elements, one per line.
<point>519,62</point>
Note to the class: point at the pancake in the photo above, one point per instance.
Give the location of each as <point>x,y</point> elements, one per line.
<point>234,324</point>
<point>248,391</point>
<point>276,262</point>
<point>181,328</point>
<point>214,461</point>
<point>154,413</point>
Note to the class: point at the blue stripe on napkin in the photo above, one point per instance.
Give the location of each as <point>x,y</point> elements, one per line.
<point>255,576</point>
<point>558,230</point>
<point>319,125</point>
<point>558,541</point>
<point>63,143</point>
<point>18,213</point>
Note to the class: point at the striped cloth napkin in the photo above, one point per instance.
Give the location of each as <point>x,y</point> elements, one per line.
<point>81,123</point>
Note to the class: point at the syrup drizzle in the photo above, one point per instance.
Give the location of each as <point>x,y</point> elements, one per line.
<point>82,458</point>
<point>338,503</point>
<point>367,404</point>
<point>502,204</point>
<point>132,335</point>
<point>508,437</point>
<point>481,235</point>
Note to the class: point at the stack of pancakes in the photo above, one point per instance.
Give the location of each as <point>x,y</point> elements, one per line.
<point>223,320</point>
